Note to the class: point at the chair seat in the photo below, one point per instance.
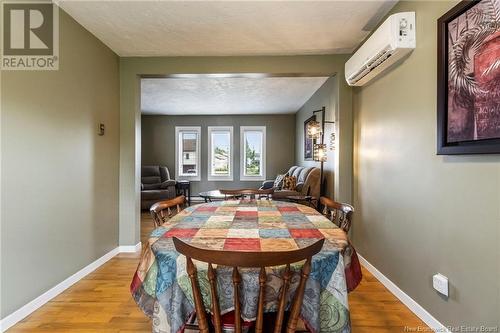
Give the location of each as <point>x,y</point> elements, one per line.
<point>228,323</point>
<point>270,319</point>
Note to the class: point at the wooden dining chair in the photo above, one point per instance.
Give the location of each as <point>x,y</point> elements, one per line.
<point>338,213</point>
<point>237,259</point>
<point>161,211</point>
<point>251,192</point>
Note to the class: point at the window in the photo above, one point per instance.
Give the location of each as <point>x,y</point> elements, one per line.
<point>187,152</point>
<point>220,153</point>
<point>253,152</point>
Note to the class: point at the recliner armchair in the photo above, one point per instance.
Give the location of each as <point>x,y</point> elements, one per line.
<point>308,183</point>
<point>156,185</point>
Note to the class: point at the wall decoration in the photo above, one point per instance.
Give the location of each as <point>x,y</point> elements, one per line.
<point>469,78</point>
<point>332,141</point>
<point>308,142</point>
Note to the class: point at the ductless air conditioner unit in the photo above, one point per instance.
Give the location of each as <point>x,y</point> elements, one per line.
<point>394,39</point>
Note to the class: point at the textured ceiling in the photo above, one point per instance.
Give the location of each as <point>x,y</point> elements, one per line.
<point>238,95</point>
<point>205,28</point>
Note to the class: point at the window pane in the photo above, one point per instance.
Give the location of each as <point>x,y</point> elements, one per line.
<point>189,147</point>
<point>253,153</point>
<point>221,150</point>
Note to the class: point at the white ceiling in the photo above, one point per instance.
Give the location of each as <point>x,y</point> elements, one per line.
<point>215,28</point>
<point>234,95</point>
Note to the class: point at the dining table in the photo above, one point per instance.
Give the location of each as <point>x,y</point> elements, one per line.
<point>162,289</point>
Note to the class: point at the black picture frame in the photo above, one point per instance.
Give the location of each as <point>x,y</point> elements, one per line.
<point>308,142</point>
<point>444,146</point>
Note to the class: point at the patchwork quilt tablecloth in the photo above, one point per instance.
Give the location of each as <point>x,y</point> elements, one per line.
<point>162,288</point>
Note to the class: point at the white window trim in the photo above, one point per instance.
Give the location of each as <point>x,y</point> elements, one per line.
<point>242,152</point>
<point>179,129</point>
<point>212,129</point>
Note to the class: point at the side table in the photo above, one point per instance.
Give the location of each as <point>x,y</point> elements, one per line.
<point>184,187</point>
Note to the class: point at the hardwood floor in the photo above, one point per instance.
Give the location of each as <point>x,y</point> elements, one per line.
<point>375,310</point>
<point>101,303</point>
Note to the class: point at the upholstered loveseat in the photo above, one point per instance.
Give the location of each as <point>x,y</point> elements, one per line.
<point>156,185</point>
<point>307,183</point>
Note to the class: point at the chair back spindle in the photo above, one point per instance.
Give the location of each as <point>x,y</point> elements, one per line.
<point>297,302</point>
<point>249,259</point>
<point>338,213</point>
<point>282,300</point>
<point>260,307</point>
<point>161,211</point>
<point>212,278</point>
<point>198,300</point>
<point>237,305</point>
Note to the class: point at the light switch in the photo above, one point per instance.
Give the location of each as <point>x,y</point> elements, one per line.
<point>100,130</point>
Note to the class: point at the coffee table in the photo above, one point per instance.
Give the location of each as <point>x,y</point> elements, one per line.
<point>216,195</point>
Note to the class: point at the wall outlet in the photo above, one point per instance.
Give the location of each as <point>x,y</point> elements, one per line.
<point>440,283</point>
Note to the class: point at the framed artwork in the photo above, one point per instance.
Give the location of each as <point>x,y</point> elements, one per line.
<point>468,82</point>
<point>308,143</point>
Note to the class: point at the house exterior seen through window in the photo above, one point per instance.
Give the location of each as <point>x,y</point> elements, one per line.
<point>220,153</point>
<point>253,152</point>
<point>187,152</point>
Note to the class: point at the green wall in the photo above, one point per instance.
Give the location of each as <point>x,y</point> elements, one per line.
<point>418,213</point>
<point>131,68</point>
<point>158,144</point>
<point>325,96</point>
<point>59,207</point>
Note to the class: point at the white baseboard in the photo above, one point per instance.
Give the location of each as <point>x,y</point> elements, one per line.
<point>416,308</point>
<point>18,315</point>
<point>130,248</point>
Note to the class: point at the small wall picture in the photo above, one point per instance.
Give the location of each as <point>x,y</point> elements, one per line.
<point>469,78</point>
<point>308,142</point>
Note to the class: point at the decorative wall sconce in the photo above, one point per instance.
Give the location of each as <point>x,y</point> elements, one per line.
<point>319,154</point>
<point>316,130</point>
<point>332,141</point>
